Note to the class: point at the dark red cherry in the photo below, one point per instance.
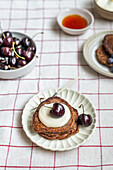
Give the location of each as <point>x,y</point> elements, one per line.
<point>3,66</point>
<point>1,41</point>
<point>28,55</point>
<point>21,63</point>
<point>19,51</point>
<point>6,60</point>
<point>85,119</point>
<point>57,111</point>
<point>8,41</point>
<point>2,58</point>
<point>5,51</point>
<point>26,42</point>
<point>11,53</point>
<point>12,61</point>
<point>32,48</point>
<point>16,40</point>
<point>6,34</point>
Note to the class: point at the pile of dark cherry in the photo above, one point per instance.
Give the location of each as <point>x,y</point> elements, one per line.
<point>13,58</point>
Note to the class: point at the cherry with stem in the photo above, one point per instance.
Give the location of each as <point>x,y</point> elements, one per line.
<point>84,119</point>
<point>57,110</point>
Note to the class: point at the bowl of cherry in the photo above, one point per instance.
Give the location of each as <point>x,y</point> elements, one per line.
<point>17,55</point>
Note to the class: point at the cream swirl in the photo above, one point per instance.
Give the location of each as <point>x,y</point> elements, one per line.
<point>49,121</point>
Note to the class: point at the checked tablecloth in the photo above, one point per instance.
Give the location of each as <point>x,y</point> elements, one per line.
<point>60,60</point>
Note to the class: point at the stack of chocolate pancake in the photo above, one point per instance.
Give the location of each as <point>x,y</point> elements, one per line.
<point>63,132</point>
<point>105,50</point>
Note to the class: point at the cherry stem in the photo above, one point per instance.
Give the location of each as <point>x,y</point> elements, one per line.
<point>44,106</point>
<point>41,99</point>
<point>37,34</point>
<point>82,107</point>
<point>48,107</point>
<point>12,67</point>
<point>16,52</point>
<point>3,61</point>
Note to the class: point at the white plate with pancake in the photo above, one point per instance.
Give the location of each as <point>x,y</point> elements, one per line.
<point>74,99</point>
<point>89,52</point>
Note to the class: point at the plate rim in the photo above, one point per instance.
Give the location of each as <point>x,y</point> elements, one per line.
<point>60,149</point>
<point>109,74</point>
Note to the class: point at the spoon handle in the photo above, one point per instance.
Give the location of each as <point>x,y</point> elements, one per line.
<point>69,84</point>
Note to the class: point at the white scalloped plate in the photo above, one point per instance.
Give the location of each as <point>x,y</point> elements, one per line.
<point>89,52</point>
<point>74,99</point>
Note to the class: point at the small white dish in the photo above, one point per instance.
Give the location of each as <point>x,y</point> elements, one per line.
<point>77,11</point>
<point>89,52</point>
<point>13,74</point>
<point>74,99</point>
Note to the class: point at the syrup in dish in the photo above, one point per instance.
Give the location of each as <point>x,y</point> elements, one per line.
<point>74,22</point>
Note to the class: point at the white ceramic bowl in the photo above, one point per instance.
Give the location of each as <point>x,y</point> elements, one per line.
<point>13,74</point>
<point>105,13</point>
<point>71,11</point>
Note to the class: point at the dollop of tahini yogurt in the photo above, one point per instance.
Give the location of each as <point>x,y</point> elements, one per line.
<point>106,4</point>
<point>49,121</point>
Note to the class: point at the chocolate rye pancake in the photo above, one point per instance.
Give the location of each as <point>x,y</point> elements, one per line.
<point>52,133</point>
<point>108,43</point>
<point>102,56</point>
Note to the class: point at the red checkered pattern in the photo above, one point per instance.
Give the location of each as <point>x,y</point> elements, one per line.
<point>60,60</point>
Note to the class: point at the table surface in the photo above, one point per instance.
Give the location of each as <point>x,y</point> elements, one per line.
<point>60,60</point>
